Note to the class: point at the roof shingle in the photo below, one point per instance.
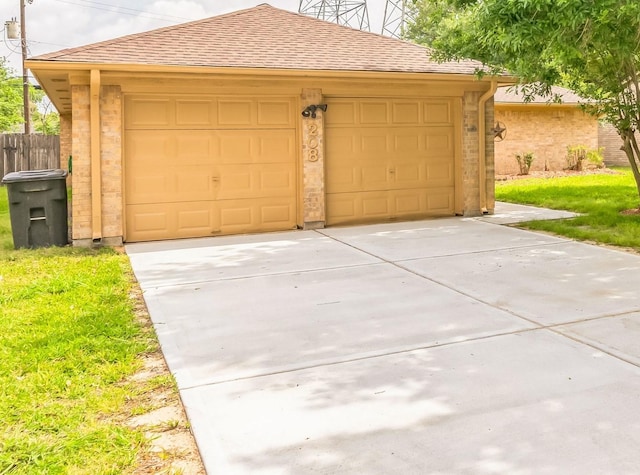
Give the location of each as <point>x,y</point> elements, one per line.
<point>263,37</point>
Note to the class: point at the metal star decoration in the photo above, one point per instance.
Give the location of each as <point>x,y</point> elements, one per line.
<point>499,131</point>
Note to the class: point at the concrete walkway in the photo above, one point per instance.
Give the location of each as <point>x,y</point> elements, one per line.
<point>446,346</point>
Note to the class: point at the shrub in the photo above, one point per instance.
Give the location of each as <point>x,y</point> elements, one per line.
<point>576,154</point>
<point>524,162</point>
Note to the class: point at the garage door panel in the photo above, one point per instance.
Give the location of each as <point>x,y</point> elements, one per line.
<point>155,221</point>
<point>438,112</point>
<point>192,113</point>
<point>440,174</point>
<point>235,112</point>
<point>275,113</point>
<point>255,146</point>
<point>440,201</point>
<point>373,112</point>
<point>149,147</point>
<point>344,179</point>
<point>149,112</point>
<point>375,176</point>
<point>371,143</point>
<point>191,148</point>
<point>375,205</point>
<point>256,181</point>
<point>440,140</point>
<point>410,175</point>
<point>277,146</point>
<point>209,112</point>
<point>201,166</point>
<point>343,112</point>
<point>409,202</point>
<point>406,112</point>
<point>242,216</point>
<point>389,158</point>
<point>195,185</point>
<point>409,141</point>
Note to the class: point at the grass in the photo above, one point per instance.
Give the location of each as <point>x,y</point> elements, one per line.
<point>69,339</point>
<point>600,198</point>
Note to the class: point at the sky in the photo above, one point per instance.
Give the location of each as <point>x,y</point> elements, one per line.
<point>53,25</point>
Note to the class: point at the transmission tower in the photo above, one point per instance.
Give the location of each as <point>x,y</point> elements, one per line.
<point>351,13</point>
<point>397,13</point>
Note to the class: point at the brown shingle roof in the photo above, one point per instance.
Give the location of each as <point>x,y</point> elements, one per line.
<point>263,37</point>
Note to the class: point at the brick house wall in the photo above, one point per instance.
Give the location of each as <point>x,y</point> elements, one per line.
<point>609,139</point>
<point>111,165</point>
<point>545,130</point>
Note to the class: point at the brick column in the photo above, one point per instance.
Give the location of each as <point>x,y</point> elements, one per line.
<point>490,157</point>
<point>111,164</point>
<point>81,152</point>
<point>470,155</point>
<point>65,140</point>
<point>313,162</point>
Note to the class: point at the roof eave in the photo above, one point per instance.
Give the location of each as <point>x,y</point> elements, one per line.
<point>51,65</point>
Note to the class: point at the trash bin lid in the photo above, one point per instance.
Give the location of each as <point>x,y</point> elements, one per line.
<point>35,175</point>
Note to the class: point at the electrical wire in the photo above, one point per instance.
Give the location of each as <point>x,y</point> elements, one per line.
<point>130,11</point>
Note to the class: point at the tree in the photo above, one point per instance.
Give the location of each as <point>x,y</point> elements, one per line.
<point>44,116</point>
<point>590,46</point>
<point>10,100</point>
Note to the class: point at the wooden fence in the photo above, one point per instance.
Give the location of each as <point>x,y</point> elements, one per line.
<point>19,152</point>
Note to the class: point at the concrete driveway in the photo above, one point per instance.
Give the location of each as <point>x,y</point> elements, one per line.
<point>447,346</point>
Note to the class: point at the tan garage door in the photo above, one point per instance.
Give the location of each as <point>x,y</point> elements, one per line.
<point>389,158</point>
<point>208,166</point>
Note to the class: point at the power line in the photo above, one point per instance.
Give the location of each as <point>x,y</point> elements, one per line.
<point>125,11</point>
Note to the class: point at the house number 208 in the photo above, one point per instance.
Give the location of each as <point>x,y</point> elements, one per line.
<point>312,143</point>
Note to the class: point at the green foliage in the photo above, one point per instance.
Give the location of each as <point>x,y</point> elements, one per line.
<point>68,341</point>
<point>588,46</point>
<point>577,154</point>
<point>44,118</point>
<point>524,162</point>
<point>600,198</point>
<point>10,100</point>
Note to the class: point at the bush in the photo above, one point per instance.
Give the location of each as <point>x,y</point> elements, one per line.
<point>576,154</point>
<point>524,162</point>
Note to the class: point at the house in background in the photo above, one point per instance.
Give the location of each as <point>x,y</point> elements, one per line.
<point>547,129</point>
<point>544,128</point>
<point>266,120</point>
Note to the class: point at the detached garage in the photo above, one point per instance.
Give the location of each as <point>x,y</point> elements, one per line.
<point>265,120</point>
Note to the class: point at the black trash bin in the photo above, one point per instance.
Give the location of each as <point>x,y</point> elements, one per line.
<point>38,207</point>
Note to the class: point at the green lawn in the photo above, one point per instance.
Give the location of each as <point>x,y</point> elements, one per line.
<point>600,198</point>
<point>68,341</point>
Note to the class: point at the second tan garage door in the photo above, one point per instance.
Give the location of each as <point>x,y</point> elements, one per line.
<point>208,166</point>
<point>389,158</point>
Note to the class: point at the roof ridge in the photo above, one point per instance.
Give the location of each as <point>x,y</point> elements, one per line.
<point>125,38</point>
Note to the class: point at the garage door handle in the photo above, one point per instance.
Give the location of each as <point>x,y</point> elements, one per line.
<point>215,179</point>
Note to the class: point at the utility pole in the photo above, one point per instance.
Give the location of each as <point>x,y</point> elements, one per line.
<point>25,76</point>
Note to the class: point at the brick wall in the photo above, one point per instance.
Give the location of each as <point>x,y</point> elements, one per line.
<point>313,163</point>
<point>470,147</point>
<point>65,140</point>
<point>81,151</point>
<point>111,161</point>
<point>544,130</point>
<point>490,181</point>
<point>470,156</point>
<point>609,139</point>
